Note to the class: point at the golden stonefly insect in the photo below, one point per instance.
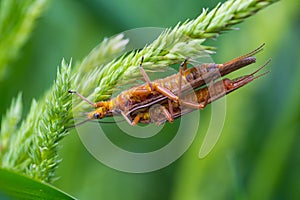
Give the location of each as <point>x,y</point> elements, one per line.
<point>172,93</point>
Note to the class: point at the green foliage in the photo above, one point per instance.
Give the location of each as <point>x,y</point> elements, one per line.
<point>9,124</point>
<point>20,187</point>
<point>17,19</point>
<point>51,127</point>
<point>38,136</point>
<point>222,18</point>
<point>31,148</point>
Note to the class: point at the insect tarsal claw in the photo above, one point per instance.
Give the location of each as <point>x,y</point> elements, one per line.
<point>71,91</point>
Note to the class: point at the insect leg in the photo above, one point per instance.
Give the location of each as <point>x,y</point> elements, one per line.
<point>164,91</point>
<point>201,105</point>
<point>146,77</point>
<point>157,87</point>
<point>191,104</point>
<point>158,112</point>
<point>81,97</point>
<point>170,107</point>
<point>183,65</point>
<point>210,88</point>
<point>167,114</point>
<point>136,119</point>
<point>128,120</point>
<point>141,91</point>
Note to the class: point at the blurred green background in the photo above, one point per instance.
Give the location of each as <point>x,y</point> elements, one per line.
<point>258,154</point>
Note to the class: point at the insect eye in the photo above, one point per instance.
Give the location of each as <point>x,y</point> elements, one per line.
<point>96,116</point>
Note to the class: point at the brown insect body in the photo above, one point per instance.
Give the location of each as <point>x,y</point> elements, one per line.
<point>139,99</point>
<point>220,89</point>
<point>193,77</point>
<point>135,97</point>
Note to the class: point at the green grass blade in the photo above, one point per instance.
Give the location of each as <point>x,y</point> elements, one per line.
<point>16,186</point>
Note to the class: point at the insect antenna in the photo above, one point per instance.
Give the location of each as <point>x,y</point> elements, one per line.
<point>95,121</point>
<point>250,54</point>
<point>109,122</point>
<point>249,78</point>
<point>78,124</point>
<point>260,75</point>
